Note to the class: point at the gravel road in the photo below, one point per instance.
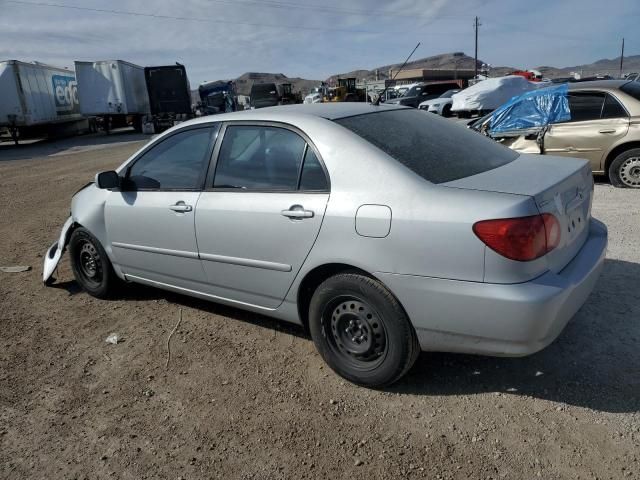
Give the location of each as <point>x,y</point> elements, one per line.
<point>247,397</point>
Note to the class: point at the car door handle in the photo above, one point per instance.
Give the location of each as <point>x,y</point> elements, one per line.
<point>607,130</point>
<point>297,211</point>
<point>180,207</point>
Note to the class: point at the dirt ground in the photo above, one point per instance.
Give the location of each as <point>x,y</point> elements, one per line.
<point>248,397</point>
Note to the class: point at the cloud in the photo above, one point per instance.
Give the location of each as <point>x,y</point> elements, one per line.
<point>225,38</point>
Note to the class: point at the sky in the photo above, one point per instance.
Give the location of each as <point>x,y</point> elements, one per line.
<point>222,39</point>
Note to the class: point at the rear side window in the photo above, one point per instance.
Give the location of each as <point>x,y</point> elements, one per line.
<point>612,108</point>
<point>436,149</point>
<point>259,158</point>
<point>313,176</point>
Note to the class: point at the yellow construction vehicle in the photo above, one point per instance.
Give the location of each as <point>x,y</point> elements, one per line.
<point>345,92</point>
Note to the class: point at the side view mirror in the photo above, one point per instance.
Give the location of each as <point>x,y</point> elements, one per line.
<point>109,179</point>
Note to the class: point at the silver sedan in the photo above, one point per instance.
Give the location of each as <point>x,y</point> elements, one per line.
<point>382,230</point>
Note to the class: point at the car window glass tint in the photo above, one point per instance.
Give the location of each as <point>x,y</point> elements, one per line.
<point>585,106</point>
<point>435,148</point>
<point>178,162</point>
<point>613,109</point>
<point>259,158</point>
<point>313,176</point>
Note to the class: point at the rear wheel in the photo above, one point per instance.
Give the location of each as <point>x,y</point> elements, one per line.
<point>90,264</point>
<point>361,330</point>
<point>624,171</point>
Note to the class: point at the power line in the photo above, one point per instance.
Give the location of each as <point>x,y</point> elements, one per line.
<point>334,10</point>
<point>189,19</point>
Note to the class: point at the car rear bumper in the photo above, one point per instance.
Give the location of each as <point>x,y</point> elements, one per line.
<point>500,319</point>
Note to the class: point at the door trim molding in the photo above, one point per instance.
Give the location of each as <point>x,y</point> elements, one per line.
<point>246,262</point>
<point>162,251</point>
<point>195,293</point>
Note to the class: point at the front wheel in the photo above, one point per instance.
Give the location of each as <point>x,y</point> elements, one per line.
<point>90,264</point>
<point>361,330</point>
<point>624,171</point>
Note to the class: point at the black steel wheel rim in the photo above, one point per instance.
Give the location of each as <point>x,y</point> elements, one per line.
<point>355,332</point>
<point>89,263</point>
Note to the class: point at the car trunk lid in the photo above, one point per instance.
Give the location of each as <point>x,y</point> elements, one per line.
<point>559,186</point>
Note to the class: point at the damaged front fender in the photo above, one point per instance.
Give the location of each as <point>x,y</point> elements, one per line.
<point>54,254</point>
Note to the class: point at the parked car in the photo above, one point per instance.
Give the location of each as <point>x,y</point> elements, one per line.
<point>381,229</point>
<point>264,95</point>
<point>487,95</point>
<point>600,127</point>
<point>440,105</point>
<point>632,77</point>
<point>420,92</point>
<point>314,97</point>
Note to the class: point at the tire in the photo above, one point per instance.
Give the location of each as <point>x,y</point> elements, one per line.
<point>624,171</point>
<point>446,111</point>
<point>361,331</point>
<point>137,123</point>
<point>90,264</point>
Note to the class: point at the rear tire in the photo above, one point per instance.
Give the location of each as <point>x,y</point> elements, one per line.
<point>624,171</point>
<point>90,264</point>
<point>361,330</point>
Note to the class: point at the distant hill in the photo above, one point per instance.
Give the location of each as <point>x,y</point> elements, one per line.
<point>605,66</point>
<point>462,61</point>
<point>245,81</point>
<point>443,61</point>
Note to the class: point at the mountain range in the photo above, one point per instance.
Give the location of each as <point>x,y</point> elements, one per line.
<point>453,60</point>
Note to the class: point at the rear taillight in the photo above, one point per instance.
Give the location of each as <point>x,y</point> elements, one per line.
<point>523,239</point>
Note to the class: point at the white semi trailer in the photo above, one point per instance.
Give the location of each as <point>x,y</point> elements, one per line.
<point>39,100</point>
<point>113,90</point>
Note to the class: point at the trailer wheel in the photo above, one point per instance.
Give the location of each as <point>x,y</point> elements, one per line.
<point>13,131</point>
<point>137,123</point>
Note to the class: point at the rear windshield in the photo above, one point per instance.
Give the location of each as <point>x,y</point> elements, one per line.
<point>632,88</point>
<point>435,148</point>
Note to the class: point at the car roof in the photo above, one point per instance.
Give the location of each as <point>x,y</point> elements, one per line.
<point>597,84</point>
<point>329,111</point>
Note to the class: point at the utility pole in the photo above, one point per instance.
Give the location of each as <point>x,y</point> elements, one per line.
<point>475,64</point>
<point>621,57</point>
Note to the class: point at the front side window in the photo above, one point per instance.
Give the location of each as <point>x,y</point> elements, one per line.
<point>176,163</point>
<point>259,158</point>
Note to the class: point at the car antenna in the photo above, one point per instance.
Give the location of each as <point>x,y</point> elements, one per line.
<point>377,102</point>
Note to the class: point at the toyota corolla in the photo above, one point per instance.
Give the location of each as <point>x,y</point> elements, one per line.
<point>380,229</point>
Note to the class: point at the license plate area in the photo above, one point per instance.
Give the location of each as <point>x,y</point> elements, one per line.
<point>576,222</point>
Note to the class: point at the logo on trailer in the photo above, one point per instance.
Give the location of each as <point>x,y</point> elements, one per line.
<point>65,92</point>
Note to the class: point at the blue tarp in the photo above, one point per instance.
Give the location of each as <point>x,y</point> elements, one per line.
<point>532,109</point>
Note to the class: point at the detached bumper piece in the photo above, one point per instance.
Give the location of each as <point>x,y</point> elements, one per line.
<point>54,254</point>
